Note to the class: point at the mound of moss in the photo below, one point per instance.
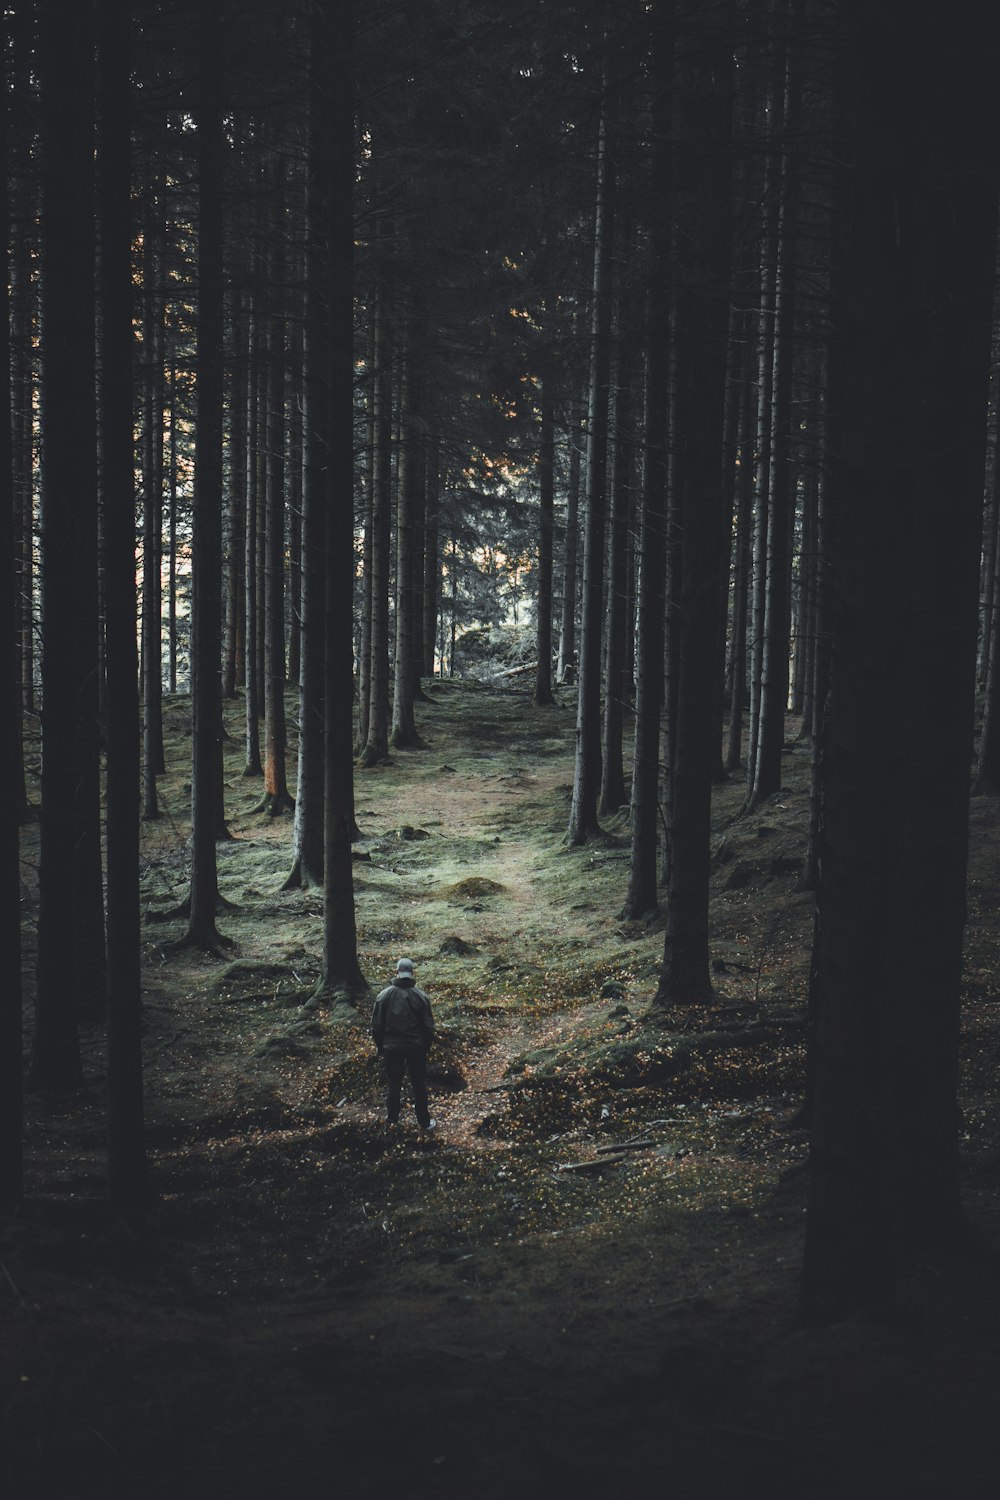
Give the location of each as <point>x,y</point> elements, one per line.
<point>473,888</point>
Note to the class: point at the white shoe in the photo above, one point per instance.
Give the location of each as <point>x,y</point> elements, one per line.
<point>431,1125</point>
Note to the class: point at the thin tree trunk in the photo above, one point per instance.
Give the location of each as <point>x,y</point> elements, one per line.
<point>543,618</point>
<point>251,681</point>
<point>276,799</point>
<point>566,664</point>
<point>613,794</point>
<point>235,563</point>
<point>403,734</point>
<point>741,570</point>
<point>206,635</point>
<point>432,558</point>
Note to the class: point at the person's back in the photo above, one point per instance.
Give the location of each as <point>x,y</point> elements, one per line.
<point>405,1017</point>
<point>403,1030</point>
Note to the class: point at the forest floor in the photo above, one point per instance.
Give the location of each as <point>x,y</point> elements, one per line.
<point>509,1304</point>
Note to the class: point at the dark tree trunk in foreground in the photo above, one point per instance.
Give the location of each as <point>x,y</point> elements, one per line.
<point>988,672</point>
<point>152,513</point>
<point>641,898</point>
<point>583,824</point>
<point>11,1076</point>
<point>342,975</point>
<point>127,1167</point>
<point>206,624</point>
<point>702,203</point>
<point>69,512</point>
<point>895,779</point>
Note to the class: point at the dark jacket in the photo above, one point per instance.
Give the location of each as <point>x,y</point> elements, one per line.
<point>402,1017</point>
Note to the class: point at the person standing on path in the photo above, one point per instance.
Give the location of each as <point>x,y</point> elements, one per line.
<point>403,1030</point>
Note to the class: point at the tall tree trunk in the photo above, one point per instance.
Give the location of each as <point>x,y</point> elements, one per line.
<point>546,492</point>
<point>296,481</point>
<point>409,475</point>
<point>566,663</point>
<point>641,898</point>
<point>172,528</point>
<point>11,1040</point>
<point>613,794</point>
<point>583,824</point>
<point>367,549</point>
<point>251,571</point>
<point>774,664</point>
<point>206,637</point>
<point>895,787</point>
<point>342,977</point>
<point>235,562</point>
<point>127,1165</point>
<point>276,799</point>
<point>69,518</point>
<point>309,834</point>
<point>737,673</point>
<point>376,746</point>
<point>703,204</point>
<point>432,558</point>
<point>23,305</point>
<point>152,513</point>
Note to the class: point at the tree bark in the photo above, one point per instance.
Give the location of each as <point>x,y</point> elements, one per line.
<point>403,734</point>
<point>11,1026</point>
<point>128,1172</point>
<point>566,663</point>
<point>342,978</point>
<point>641,899</point>
<point>276,799</point>
<point>546,493</point>
<point>703,208</point>
<point>583,824</point>
<point>69,517</point>
<point>895,782</point>
<point>206,643</point>
<point>376,746</point>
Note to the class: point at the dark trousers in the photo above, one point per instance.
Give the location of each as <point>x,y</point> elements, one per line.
<point>398,1061</point>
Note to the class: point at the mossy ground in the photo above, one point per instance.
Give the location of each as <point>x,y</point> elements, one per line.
<point>324,1307</point>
